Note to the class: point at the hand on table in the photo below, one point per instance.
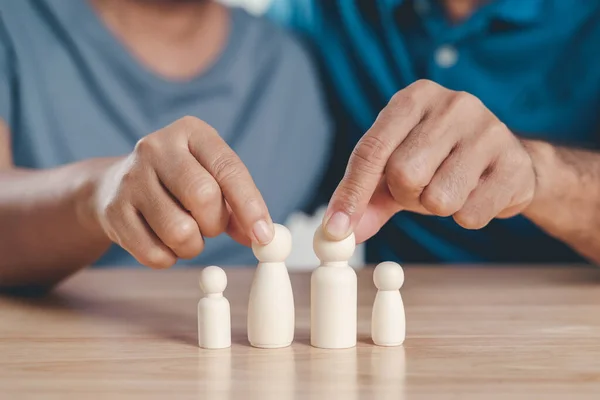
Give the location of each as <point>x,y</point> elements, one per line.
<point>180,184</point>
<point>432,151</point>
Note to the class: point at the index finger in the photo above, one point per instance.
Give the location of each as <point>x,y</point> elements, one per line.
<point>368,160</point>
<point>235,181</point>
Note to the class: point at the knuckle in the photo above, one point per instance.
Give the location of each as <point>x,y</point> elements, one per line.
<point>402,103</point>
<point>403,174</point>
<point>114,210</point>
<point>192,250</point>
<point>425,84</point>
<point>439,202</point>
<point>524,161</point>
<point>214,229</point>
<point>192,124</point>
<point>488,143</point>
<point>485,141</point>
<point>198,248</point>
<point>147,145</point>
<point>182,232</point>
<point>516,162</point>
<point>471,219</point>
<point>130,183</point>
<point>426,136</point>
<point>412,101</point>
<point>497,127</point>
<point>497,133</point>
<point>401,106</point>
<point>157,258</point>
<point>371,153</point>
<point>128,179</point>
<point>227,167</point>
<point>189,120</point>
<point>464,101</point>
<point>203,193</point>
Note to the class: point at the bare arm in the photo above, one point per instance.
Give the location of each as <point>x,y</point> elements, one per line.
<point>439,152</point>
<point>42,238</point>
<point>567,199</point>
<point>180,184</point>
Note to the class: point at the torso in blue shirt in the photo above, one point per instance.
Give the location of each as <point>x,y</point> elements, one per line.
<point>70,90</point>
<point>534,63</point>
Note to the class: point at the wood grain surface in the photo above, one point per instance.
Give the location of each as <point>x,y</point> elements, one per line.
<point>472,333</point>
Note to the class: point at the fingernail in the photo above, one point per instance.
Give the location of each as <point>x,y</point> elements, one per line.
<point>262,232</point>
<point>338,225</point>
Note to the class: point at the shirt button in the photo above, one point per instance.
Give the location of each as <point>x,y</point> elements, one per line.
<point>446,56</point>
<point>422,7</point>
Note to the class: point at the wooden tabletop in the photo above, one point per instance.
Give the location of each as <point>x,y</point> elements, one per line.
<point>489,332</point>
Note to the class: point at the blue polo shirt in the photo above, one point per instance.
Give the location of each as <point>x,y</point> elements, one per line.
<point>534,63</point>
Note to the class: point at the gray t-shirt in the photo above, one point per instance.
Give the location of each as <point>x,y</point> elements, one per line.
<point>69,90</point>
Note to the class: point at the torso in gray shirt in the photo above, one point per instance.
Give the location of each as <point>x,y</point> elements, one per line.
<point>70,90</point>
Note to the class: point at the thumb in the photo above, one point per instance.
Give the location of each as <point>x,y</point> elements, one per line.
<point>380,209</point>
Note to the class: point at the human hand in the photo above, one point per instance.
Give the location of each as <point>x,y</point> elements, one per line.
<point>432,151</point>
<point>180,184</point>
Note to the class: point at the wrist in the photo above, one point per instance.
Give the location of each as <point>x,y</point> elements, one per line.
<point>543,157</point>
<point>87,193</point>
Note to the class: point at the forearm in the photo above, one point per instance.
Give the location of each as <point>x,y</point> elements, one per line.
<point>44,233</point>
<point>567,199</point>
